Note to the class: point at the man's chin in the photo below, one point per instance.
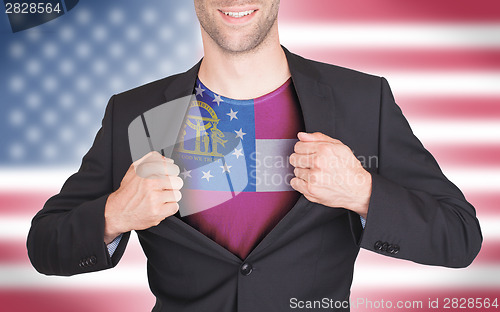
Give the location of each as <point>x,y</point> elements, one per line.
<point>240,46</point>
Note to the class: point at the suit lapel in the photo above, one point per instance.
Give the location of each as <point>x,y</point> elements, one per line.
<point>316,98</point>
<point>182,85</point>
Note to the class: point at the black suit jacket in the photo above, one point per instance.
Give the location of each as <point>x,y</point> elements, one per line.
<point>415,213</point>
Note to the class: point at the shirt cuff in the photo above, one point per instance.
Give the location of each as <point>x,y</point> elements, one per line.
<point>363,221</point>
<point>113,245</point>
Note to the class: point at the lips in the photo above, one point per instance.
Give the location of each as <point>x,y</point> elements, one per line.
<point>238,15</point>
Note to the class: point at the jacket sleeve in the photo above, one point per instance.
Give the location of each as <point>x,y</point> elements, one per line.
<point>415,212</point>
<point>67,235</point>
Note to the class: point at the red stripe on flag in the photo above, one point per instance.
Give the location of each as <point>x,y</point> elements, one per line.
<point>367,299</point>
<point>450,107</point>
<point>25,203</point>
<point>77,300</point>
<point>463,156</point>
<point>362,299</point>
<point>486,204</point>
<point>383,60</point>
<point>13,252</point>
<point>391,11</point>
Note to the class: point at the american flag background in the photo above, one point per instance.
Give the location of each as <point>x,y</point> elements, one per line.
<point>441,57</point>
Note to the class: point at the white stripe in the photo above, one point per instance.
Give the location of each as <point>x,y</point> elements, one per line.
<point>122,277</point>
<point>456,131</point>
<point>425,276</point>
<point>370,36</point>
<point>472,180</point>
<point>418,276</point>
<point>470,83</point>
<point>135,277</point>
<point>16,228</point>
<point>45,180</point>
<point>129,276</point>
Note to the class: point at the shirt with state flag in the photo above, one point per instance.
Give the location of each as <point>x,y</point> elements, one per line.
<point>234,160</point>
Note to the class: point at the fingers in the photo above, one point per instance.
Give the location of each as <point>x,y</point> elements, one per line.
<point>171,196</point>
<point>152,157</point>
<point>316,137</point>
<point>157,169</point>
<point>313,147</point>
<point>302,147</point>
<point>312,177</point>
<point>301,186</point>
<point>171,183</point>
<point>171,208</point>
<point>303,174</point>
<point>303,161</point>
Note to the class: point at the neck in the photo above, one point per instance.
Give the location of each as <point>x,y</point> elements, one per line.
<point>245,75</point>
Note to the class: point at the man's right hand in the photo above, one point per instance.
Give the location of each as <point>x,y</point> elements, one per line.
<point>148,193</point>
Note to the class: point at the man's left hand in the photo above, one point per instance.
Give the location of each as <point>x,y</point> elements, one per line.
<point>327,172</point>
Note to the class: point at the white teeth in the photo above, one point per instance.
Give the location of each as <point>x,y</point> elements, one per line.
<point>239,14</point>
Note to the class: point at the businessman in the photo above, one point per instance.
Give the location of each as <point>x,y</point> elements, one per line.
<point>268,242</point>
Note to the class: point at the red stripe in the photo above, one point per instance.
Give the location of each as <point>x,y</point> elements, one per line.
<point>22,203</point>
<point>463,156</point>
<point>77,300</point>
<point>367,299</point>
<point>469,108</point>
<point>486,204</point>
<point>391,10</point>
<point>383,60</point>
<point>105,300</point>
<point>13,252</point>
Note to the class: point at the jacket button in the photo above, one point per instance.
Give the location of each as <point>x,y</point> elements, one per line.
<point>385,245</point>
<point>93,260</point>
<point>246,269</point>
<point>378,245</point>
<point>390,249</point>
<point>395,249</point>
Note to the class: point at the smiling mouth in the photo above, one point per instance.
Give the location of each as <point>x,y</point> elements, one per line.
<point>239,14</point>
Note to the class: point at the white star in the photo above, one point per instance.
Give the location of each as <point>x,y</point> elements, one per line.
<point>199,90</point>
<point>186,173</point>
<point>238,153</point>
<point>217,99</point>
<point>232,114</point>
<point>207,175</point>
<point>225,168</point>
<point>239,134</point>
